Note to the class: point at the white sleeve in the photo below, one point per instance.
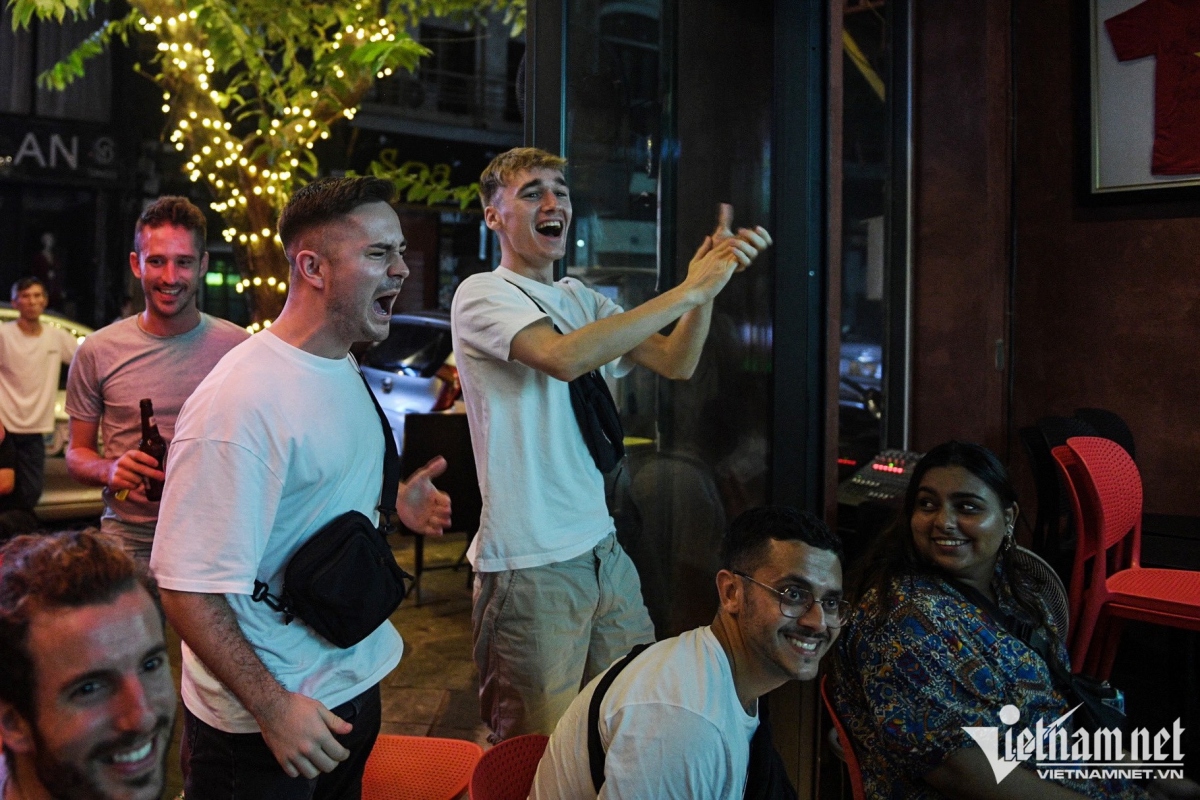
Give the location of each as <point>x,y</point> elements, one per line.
<point>218,509</point>
<point>667,752</point>
<point>487,316</point>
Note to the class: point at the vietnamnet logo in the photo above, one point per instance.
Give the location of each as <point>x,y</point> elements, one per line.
<point>1059,754</point>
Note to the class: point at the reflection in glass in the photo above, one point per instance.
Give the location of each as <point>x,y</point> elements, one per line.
<point>867,42</point>
<point>698,449</point>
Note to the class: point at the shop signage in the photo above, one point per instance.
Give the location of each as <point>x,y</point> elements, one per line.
<point>42,149</point>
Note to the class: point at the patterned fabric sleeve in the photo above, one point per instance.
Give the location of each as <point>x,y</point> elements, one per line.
<point>926,673</point>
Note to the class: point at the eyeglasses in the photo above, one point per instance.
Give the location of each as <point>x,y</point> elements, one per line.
<point>795,602</point>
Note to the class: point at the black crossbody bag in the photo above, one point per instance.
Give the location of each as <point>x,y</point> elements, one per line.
<point>1101,704</point>
<point>344,581</point>
<point>766,776</point>
<point>595,411</point>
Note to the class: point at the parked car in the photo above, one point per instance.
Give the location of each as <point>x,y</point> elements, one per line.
<point>63,498</point>
<point>413,371</point>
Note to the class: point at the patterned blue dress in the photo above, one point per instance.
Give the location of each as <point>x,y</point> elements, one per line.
<point>909,673</point>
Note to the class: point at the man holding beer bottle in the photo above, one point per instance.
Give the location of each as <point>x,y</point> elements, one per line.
<point>150,362</point>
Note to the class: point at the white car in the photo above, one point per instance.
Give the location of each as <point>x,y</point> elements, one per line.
<point>413,369</point>
<point>62,498</point>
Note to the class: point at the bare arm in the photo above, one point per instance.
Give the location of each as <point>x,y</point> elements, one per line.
<point>86,465</point>
<point>966,775</point>
<point>8,480</point>
<point>567,356</point>
<point>298,729</point>
<point>676,356</point>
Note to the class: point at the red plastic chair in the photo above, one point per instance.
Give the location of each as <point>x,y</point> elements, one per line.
<point>419,768</point>
<point>847,755</point>
<point>1109,584</point>
<point>506,771</point>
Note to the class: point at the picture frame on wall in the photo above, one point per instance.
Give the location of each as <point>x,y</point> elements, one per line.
<point>1126,162</point>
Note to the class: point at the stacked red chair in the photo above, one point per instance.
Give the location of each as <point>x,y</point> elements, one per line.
<point>1108,583</point>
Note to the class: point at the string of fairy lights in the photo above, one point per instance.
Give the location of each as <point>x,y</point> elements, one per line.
<point>252,174</point>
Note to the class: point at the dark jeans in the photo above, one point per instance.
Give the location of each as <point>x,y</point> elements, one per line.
<point>16,521</point>
<point>240,766</point>
<point>31,467</point>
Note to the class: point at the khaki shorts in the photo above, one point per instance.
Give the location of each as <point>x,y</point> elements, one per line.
<point>136,538</point>
<point>542,633</point>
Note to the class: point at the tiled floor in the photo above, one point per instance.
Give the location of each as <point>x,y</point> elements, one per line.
<point>434,690</point>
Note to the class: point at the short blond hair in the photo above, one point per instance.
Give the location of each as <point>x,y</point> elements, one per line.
<point>506,165</point>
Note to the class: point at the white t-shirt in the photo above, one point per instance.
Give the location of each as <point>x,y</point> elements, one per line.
<point>671,725</point>
<point>543,498</point>
<point>271,446</point>
<point>120,364</point>
<point>29,368</point>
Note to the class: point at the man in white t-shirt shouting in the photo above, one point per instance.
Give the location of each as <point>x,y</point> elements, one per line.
<point>281,438</point>
<point>31,357</point>
<point>680,720</point>
<point>557,599</point>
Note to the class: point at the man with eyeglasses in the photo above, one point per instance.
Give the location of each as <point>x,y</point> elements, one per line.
<point>677,722</point>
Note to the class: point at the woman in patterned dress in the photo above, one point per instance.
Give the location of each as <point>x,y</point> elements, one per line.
<point>919,659</point>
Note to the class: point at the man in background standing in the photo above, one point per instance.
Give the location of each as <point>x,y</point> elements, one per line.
<point>15,517</point>
<point>31,357</point>
<point>161,353</point>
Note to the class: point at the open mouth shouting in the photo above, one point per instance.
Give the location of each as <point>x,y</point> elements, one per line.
<point>382,305</point>
<point>552,228</point>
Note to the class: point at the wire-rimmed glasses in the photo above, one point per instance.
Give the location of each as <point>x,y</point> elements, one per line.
<point>794,602</point>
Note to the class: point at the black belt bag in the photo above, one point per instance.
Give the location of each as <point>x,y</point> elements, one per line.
<point>344,581</point>
<point>595,411</point>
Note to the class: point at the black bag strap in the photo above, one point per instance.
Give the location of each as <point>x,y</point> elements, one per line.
<point>1033,636</point>
<point>391,466</point>
<point>766,775</point>
<point>595,747</point>
<point>536,303</point>
<point>391,484</point>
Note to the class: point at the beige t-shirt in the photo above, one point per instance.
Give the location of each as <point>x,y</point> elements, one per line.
<point>29,369</point>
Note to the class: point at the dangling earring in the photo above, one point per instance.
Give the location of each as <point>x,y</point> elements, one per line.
<point>1009,539</point>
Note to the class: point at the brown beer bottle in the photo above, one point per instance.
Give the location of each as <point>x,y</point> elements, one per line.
<point>152,444</point>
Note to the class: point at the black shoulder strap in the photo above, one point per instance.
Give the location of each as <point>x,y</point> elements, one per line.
<point>1032,635</point>
<point>391,466</point>
<point>595,747</point>
<point>536,303</point>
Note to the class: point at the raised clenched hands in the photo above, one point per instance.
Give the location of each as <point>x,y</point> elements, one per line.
<point>724,253</point>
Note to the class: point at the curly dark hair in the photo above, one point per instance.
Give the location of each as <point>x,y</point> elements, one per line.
<point>745,542</point>
<point>172,210</point>
<point>893,555</point>
<point>328,199</point>
<point>61,570</point>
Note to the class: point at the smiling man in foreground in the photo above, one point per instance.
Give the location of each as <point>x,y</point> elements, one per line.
<point>281,438</point>
<point>86,697</point>
<point>679,719</point>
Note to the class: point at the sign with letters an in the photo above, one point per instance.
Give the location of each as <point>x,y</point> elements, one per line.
<point>40,148</point>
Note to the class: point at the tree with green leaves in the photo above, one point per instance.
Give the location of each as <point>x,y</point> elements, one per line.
<point>250,86</point>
